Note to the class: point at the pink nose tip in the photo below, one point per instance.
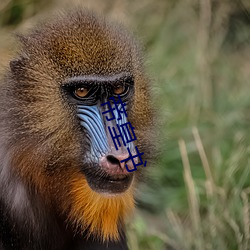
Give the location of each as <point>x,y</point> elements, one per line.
<point>113,165</point>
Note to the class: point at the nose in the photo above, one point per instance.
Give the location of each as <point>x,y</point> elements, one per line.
<point>112,164</point>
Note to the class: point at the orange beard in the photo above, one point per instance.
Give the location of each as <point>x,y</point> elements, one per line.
<point>99,213</point>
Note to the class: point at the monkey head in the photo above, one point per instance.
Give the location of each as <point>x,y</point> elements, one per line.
<point>55,128</point>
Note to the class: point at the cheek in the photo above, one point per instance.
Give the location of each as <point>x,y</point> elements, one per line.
<point>103,131</point>
<point>91,120</point>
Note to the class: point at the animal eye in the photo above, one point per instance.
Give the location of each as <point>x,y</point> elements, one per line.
<point>119,89</point>
<point>81,92</point>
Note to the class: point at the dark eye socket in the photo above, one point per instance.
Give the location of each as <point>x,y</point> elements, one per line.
<point>88,91</point>
<point>119,89</point>
<point>124,87</point>
<point>86,94</point>
<point>81,92</point>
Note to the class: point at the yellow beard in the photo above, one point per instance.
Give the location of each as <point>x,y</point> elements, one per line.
<point>96,212</point>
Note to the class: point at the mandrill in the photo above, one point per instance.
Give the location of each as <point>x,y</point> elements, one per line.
<point>63,184</point>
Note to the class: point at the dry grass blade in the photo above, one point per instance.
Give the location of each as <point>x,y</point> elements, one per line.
<point>192,197</point>
<point>246,220</point>
<point>204,159</point>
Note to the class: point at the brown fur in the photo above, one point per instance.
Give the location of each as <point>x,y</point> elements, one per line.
<point>40,134</point>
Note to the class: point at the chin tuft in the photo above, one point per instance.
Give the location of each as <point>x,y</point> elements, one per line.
<point>99,214</point>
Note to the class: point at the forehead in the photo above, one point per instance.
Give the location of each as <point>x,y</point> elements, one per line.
<point>84,44</point>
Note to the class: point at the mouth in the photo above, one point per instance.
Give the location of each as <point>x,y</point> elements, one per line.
<point>102,182</point>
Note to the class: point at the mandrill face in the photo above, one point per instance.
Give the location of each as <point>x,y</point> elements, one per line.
<point>55,127</point>
<point>89,94</point>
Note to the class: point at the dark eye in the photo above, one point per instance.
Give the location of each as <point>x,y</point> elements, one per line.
<point>119,89</point>
<point>81,92</point>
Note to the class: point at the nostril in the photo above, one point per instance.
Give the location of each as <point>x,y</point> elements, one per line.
<point>113,160</point>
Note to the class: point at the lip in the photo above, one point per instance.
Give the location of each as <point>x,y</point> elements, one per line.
<point>121,177</point>
<point>101,182</point>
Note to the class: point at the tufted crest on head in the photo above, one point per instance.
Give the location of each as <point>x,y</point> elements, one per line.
<point>79,42</point>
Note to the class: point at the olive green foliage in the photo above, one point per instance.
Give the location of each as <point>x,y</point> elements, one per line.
<point>13,12</point>
<point>199,190</point>
<point>198,54</point>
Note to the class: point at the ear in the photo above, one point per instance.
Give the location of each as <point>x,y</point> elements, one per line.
<point>18,63</point>
<point>15,64</point>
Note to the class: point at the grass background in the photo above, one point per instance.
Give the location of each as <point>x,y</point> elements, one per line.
<point>198,55</point>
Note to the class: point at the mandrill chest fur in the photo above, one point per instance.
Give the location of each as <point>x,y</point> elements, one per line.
<point>63,183</point>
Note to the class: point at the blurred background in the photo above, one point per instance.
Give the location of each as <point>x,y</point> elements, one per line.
<point>196,195</point>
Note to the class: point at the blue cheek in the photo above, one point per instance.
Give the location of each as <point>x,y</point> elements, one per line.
<point>92,121</point>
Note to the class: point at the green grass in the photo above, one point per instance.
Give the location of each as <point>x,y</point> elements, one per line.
<point>197,194</point>
<point>199,189</point>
